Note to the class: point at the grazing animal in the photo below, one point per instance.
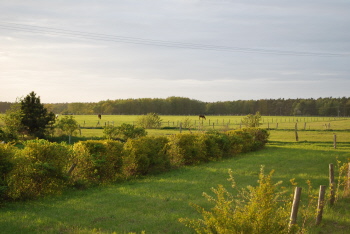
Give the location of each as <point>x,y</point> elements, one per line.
<point>202,117</point>
<point>99,116</point>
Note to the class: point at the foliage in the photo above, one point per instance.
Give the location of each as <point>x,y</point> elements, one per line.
<point>145,155</point>
<point>13,123</point>
<point>97,162</point>
<point>151,120</point>
<point>261,209</point>
<point>124,132</point>
<point>39,170</point>
<point>68,125</point>
<point>185,149</point>
<point>7,152</point>
<point>252,121</point>
<point>36,119</point>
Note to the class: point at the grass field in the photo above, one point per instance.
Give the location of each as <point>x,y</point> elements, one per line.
<point>155,203</point>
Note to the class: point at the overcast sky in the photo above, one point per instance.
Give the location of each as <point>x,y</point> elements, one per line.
<point>209,50</point>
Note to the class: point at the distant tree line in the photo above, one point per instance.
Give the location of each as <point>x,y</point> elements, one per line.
<point>185,106</point>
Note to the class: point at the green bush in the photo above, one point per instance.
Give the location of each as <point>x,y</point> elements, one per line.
<point>124,132</point>
<point>257,210</point>
<point>146,155</point>
<point>40,169</point>
<point>151,120</point>
<point>97,161</point>
<point>248,139</point>
<point>7,152</point>
<point>186,149</point>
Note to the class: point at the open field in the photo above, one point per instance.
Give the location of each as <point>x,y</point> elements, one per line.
<point>310,128</point>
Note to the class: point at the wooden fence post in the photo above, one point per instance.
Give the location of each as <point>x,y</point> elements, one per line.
<point>180,127</point>
<point>335,141</point>
<point>296,132</point>
<point>320,204</point>
<point>331,184</point>
<point>347,188</point>
<point>295,207</point>
<point>71,168</point>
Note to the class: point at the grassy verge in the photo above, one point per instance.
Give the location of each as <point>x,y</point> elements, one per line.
<point>155,203</point>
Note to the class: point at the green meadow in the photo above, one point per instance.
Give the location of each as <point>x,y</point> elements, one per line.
<point>155,203</point>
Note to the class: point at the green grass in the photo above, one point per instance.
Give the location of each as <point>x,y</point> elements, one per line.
<point>155,203</point>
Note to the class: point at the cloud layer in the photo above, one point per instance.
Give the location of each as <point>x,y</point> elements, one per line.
<point>72,51</point>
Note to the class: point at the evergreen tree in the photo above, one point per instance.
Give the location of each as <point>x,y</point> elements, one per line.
<point>36,118</point>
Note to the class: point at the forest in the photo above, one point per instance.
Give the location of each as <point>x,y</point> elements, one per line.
<point>328,106</point>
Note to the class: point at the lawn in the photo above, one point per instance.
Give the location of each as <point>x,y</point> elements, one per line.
<point>155,203</point>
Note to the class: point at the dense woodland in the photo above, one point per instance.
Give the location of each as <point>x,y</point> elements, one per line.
<point>186,106</point>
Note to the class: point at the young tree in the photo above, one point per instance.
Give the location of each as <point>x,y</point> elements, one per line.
<point>35,117</point>
<point>68,125</point>
<point>151,120</point>
<point>252,121</point>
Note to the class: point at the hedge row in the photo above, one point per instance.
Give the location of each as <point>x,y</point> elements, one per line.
<point>43,168</point>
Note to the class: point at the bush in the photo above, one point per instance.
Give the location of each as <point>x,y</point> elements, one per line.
<point>124,132</point>
<point>151,120</point>
<point>257,210</point>
<point>186,149</point>
<point>146,155</point>
<point>7,152</point>
<point>40,169</point>
<point>248,139</point>
<point>97,162</point>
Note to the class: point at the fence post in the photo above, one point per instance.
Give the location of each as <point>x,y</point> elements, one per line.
<point>347,189</point>
<point>335,141</point>
<point>296,132</point>
<point>295,207</point>
<point>320,204</point>
<point>180,127</point>
<point>71,168</point>
<point>331,184</point>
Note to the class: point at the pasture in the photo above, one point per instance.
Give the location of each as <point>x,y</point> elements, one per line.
<point>155,203</point>
<point>310,129</point>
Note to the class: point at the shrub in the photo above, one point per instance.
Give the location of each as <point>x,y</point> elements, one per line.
<point>7,152</point>
<point>40,169</point>
<point>145,155</point>
<point>186,149</point>
<point>252,121</point>
<point>151,120</point>
<point>257,210</point>
<point>97,161</point>
<point>124,132</point>
<point>249,139</point>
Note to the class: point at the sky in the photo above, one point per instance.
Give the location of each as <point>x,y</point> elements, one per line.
<point>208,50</point>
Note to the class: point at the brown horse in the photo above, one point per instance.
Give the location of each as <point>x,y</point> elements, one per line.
<point>201,117</point>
